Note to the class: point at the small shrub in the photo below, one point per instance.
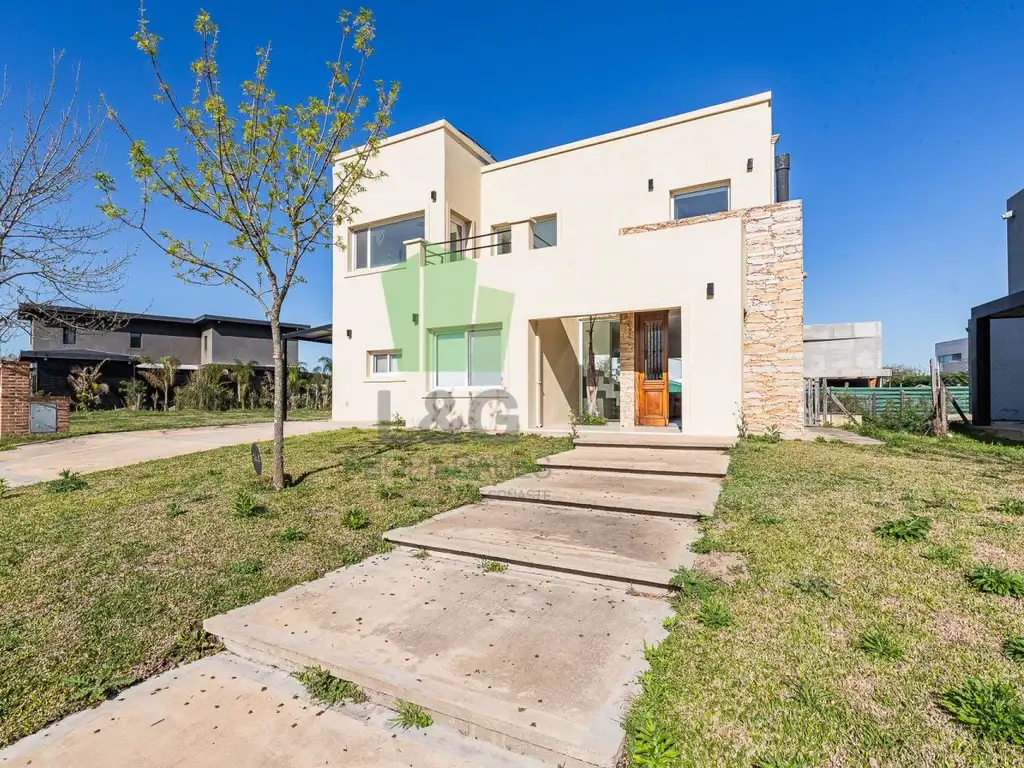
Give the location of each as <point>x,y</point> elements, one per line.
<point>355,520</point>
<point>291,533</point>
<point>704,545</point>
<point>941,554</point>
<point>591,419</point>
<point>907,529</point>
<point>816,585</point>
<point>66,482</point>
<point>991,708</point>
<point>912,416</point>
<point>694,583</point>
<point>1013,648</point>
<point>325,688</point>
<point>421,554</point>
<point>879,644</point>
<point>396,420</point>
<point>652,747</point>
<point>769,519</point>
<point>772,434</point>
<point>249,567</point>
<point>714,614</point>
<point>409,715</point>
<point>97,687</point>
<point>387,492</point>
<point>173,509</point>
<point>246,505</point>
<point>492,566</point>
<point>1011,506</point>
<point>5,488</point>
<point>996,581</point>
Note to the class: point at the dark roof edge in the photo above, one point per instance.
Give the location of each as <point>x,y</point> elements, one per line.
<point>995,307</point>
<point>26,310</point>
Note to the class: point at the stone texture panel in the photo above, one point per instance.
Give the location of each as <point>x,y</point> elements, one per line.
<point>627,379</point>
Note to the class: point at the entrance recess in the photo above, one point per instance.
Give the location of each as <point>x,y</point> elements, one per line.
<point>652,369</point>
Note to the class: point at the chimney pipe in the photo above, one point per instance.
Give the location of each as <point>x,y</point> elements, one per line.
<point>782,178</point>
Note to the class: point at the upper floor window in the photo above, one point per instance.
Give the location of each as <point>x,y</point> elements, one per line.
<point>955,357</point>
<point>544,232</point>
<point>502,241</point>
<point>135,340</point>
<point>70,335</point>
<point>380,245</point>
<point>700,202</point>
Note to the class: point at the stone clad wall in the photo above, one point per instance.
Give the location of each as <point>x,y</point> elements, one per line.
<point>773,346</point>
<point>627,364</point>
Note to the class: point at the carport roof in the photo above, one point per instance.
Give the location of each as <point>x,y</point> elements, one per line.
<point>1008,306</point>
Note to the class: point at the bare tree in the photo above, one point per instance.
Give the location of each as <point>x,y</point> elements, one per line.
<point>262,169</point>
<point>48,254</point>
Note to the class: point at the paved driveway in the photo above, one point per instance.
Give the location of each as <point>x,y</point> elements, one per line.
<point>37,462</point>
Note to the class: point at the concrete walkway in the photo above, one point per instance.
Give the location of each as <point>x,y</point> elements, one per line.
<point>531,663</point>
<point>38,462</point>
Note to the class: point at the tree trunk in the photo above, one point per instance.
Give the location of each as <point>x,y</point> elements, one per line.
<point>167,396</point>
<point>591,372</point>
<point>279,374</point>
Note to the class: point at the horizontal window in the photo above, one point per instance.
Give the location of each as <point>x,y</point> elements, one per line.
<point>544,232</point>
<point>685,205</point>
<point>380,245</point>
<point>467,358</point>
<point>502,241</point>
<point>956,357</point>
<point>385,363</point>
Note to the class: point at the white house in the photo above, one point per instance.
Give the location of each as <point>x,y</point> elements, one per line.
<point>468,289</point>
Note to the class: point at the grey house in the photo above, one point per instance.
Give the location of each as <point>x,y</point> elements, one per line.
<point>64,337</point>
<point>952,356</point>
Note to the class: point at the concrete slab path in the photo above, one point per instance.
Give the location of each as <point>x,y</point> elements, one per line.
<point>226,711</point>
<point>636,549</point>
<point>657,461</point>
<point>39,462</point>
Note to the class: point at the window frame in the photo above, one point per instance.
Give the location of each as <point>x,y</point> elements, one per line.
<point>466,331</point>
<point>496,231</point>
<point>366,229</point>
<point>67,332</point>
<point>132,335</point>
<point>698,190</point>
<point>539,220</point>
<point>393,356</point>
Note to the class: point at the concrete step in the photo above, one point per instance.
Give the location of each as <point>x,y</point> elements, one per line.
<point>541,664</point>
<point>228,711</point>
<point>656,461</point>
<point>674,496</point>
<point>645,439</point>
<point>635,549</point>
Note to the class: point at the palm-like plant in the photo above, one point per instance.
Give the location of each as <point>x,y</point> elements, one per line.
<point>162,375</point>
<point>296,383</point>
<point>85,383</point>
<point>241,374</point>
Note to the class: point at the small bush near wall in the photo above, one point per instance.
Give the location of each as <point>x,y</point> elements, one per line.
<point>205,390</point>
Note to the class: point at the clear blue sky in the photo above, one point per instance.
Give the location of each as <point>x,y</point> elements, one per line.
<point>904,119</point>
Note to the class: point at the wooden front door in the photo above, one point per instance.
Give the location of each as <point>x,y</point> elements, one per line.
<point>652,369</point>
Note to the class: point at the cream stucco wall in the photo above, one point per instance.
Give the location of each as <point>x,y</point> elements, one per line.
<point>595,189</point>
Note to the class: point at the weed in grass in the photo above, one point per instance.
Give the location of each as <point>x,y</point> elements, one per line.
<point>492,566</point>
<point>652,746</point>
<point>396,420</point>
<point>355,520</point>
<point>526,466</point>
<point>66,482</point>
<point>782,762</point>
<point>325,688</point>
<point>939,554</point>
<point>879,644</point>
<point>1011,506</point>
<point>996,581</point>
<point>387,492</point>
<point>349,557</point>
<point>714,614</point>
<point>907,529</point>
<point>291,533</point>
<point>246,505</point>
<point>816,585</point>
<point>769,519</point>
<point>693,583</point>
<point>96,688</point>
<point>250,566</point>
<point>194,643</point>
<point>409,715</point>
<point>1013,648</point>
<point>704,545</point>
<point>809,695</point>
<point>991,708</point>
<point>448,473</point>
<point>5,488</point>
<point>173,509</point>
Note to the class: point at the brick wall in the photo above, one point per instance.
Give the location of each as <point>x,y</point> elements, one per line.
<point>63,409</point>
<point>15,390</point>
<point>773,347</point>
<point>627,364</point>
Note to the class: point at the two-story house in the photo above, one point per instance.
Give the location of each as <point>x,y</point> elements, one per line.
<point>61,338</point>
<point>469,291</point>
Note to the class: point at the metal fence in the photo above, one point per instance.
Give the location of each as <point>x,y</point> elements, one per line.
<point>820,400</point>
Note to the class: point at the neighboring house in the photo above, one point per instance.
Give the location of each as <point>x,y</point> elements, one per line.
<point>844,354</point>
<point>64,337</point>
<point>953,356</point>
<point>996,346</point>
<point>465,290</point>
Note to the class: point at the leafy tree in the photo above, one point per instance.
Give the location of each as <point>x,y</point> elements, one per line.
<point>241,373</point>
<point>162,375</point>
<point>264,170</point>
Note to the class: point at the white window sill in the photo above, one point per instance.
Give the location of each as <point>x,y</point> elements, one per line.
<point>467,392</point>
<point>384,380</point>
<point>373,270</point>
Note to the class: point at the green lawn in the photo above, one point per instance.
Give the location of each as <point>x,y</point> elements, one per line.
<point>110,583</point>
<point>122,420</point>
<point>787,680</point>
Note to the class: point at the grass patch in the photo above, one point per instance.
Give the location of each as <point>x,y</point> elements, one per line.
<point>879,644</point>
<point>246,505</point>
<point>939,554</point>
<point>409,715</point>
<point>908,529</point>
<point>325,688</point>
<point>769,520</point>
<point>692,583</point>
<point>290,534</point>
<point>727,698</point>
<point>100,584</point>
<point>652,747</point>
<point>1013,648</point>
<point>996,581</point>
<point>817,586</point>
<point>714,614</point>
<point>251,566</point>
<point>173,509</point>
<point>1011,507</point>
<point>990,708</point>
<point>493,566</point>
<point>355,520</point>
<point>67,482</point>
